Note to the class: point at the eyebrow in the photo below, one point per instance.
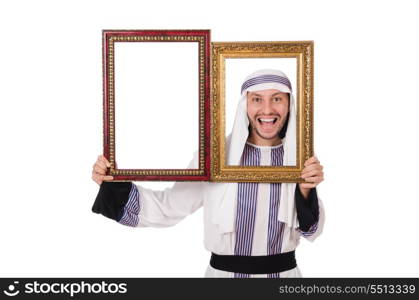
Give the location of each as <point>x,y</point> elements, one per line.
<point>255,94</point>
<point>277,94</point>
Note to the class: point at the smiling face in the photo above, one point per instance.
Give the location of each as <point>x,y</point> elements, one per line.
<point>267,111</point>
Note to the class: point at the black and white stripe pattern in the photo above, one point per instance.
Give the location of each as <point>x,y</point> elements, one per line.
<point>132,208</point>
<point>246,209</point>
<point>265,79</point>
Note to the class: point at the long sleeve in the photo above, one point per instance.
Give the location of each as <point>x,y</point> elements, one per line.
<point>133,205</point>
<point>307,209</point>
<point>111,199</point>
<point>310,214</point>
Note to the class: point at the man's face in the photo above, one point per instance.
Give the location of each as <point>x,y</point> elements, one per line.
<point>267,111</point>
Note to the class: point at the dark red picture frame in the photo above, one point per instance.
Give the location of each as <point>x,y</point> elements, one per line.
<point>204,157</point>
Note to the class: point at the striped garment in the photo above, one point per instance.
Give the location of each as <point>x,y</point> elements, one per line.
<point>265,79</point>
<point>132,208</point>
<point>247,198</point>
<point>257,229</point>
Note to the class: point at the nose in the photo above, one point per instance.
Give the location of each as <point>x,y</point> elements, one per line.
<point>267,108</point>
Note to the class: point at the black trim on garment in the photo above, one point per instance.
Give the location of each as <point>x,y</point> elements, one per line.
<point>254,264</point>
<point>307,209</point>
<point>111,199</point>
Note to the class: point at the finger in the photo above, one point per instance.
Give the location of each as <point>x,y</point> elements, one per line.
<point>104,160</point>
<point>307,185</point>
<point>107,178</point>
<point>100,178</point>
<point>316,179</point>
<point>312,168</point>
<point>313,173</point>
<point>101,164</point>
<point>311,160</point>
<point>100,170</point>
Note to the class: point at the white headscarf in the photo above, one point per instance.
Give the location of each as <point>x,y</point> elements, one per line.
<point>257,81</point>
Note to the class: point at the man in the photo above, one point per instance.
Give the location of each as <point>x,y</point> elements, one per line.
<point>252,229</point>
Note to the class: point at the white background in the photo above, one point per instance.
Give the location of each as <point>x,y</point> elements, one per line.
<point>366,107</point>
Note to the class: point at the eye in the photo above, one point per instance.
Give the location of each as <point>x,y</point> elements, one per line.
<point>276,99</point>
<point>257,99</point>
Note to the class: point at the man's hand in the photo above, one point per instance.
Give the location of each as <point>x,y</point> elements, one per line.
<point>99,170</point>
<point>313,175</point>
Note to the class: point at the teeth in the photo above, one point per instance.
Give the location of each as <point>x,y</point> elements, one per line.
<point>266,120</point>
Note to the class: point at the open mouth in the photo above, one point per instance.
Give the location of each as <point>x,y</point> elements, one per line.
<point>267,121</point>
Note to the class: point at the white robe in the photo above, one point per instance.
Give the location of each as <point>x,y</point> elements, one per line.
<point>168,207</point>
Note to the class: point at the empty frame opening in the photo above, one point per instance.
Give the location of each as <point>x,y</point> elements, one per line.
<point>156,104</point>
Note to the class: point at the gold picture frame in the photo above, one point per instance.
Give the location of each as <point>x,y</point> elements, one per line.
<point>302,51</point>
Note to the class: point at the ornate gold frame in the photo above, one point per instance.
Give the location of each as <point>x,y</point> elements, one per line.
<point>303,52</point>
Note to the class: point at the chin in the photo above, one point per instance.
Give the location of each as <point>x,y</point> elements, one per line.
<point>268,137</point>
